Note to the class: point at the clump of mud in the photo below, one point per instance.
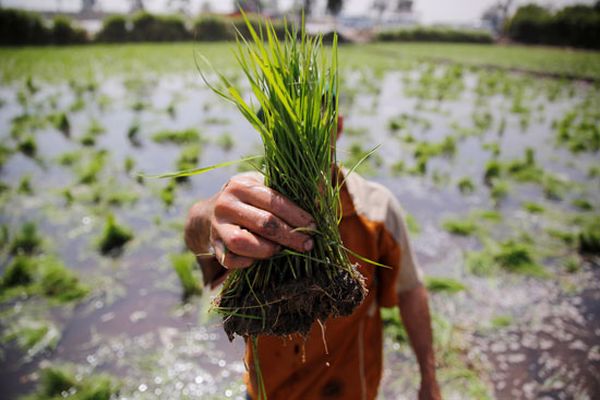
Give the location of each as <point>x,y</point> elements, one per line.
<point>291,304</point>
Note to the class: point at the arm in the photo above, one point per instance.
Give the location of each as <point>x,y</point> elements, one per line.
<point>414,310</point>
<point>244,222</point>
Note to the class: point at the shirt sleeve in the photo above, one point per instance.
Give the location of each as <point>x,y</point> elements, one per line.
<point>396,251</point>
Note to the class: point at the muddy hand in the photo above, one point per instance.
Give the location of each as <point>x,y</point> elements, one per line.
<point>251,221</point>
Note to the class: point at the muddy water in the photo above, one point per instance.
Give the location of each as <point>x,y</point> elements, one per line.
<point>134,324</point>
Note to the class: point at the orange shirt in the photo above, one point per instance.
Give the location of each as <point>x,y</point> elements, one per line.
<point>343,359</point>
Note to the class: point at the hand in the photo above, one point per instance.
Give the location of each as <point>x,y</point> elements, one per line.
<point>429,390</point>
<point>248,221</point>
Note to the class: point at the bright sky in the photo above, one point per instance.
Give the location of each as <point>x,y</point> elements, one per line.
<point>427,11</point>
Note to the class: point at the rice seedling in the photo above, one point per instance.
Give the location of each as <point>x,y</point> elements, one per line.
<point>393,326</point>
<point>88,173</point>
<point>569,238</point>
<point>61,123</point>
<point>369,166</point>
<point>295,89</point>
<point>139,105</point>
<point>572,264</point>
<point>413,225</point>
<point>216,121</point>
<point>501,321</point>
<point>167,194</point>
<point>133,134</point>
<point>171,110</point>
<point>533,208</point>
<point>465,185</point>
<point>593,171</point>
<point>69,158</point>
<point>446,285</point>
<point>225,141</point>
<point>554,187</point>
<point>24,187</point>
<point>27,240</point>
<point>589,237</point>
<point>518,257</point>
<point>480,263</point>
<point>188,136</point>
<point>4,236</point>
<point>462,227</point>
<point>113,237</point>
<point>582,204</point>
<point>63,381</point>
<point>184,265</point>
<point>128,164</point>
<point>20,272</point>
<point>493,169</point>
<point>188,159</point>
<point>5,154</point>
<point>28,146</point>
<point>398,168</point>
<point>59,282</point>
<point>499,190</point>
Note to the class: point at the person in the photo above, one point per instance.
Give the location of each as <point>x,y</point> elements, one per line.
<point>342,359</point>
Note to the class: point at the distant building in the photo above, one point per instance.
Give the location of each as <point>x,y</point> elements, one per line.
<point>389,14</point>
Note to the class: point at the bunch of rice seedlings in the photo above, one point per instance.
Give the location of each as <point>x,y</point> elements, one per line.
<point>294,84</point>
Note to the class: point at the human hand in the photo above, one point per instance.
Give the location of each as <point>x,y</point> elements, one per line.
<point>249,221</point>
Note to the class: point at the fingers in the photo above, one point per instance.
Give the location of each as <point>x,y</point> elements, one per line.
<point>229,259</point>
<point>244,243</point>
<point>265,225</point>
<point>256,194</point>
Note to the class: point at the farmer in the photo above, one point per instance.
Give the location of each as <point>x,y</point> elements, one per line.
<point>246,221</point>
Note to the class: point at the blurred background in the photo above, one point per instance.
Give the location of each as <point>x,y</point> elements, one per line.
<point>488,117</point>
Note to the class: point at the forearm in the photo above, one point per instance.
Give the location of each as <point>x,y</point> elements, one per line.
<point>414,310</point>
<point>197,239</point>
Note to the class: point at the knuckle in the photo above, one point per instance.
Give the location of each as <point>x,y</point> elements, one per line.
<point>237,242</point>
<point>270,226</point>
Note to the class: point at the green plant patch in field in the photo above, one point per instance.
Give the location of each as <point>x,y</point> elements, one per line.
<point>187,136</point>
<point>27,240</point>
<point>589,236</point>
<point>33,336</point>
<point>184,265</point>
<point>501,321</point>
<point>462,227</point>
<point>88,172</point>
<point>533,207</point>
<point>392,324</point>
<point>518,257</point>
<point>113,237</point>
<point>444,285</point>
<point>466,185</point>
<point>56,381</point>
<point>225,141</point>
<point>20,272</point>
<point>59,282</point>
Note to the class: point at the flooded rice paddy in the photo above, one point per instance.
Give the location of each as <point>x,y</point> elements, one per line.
<point>498,173</point>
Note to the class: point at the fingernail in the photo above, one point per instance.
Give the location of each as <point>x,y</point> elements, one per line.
<point>308,245</point>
